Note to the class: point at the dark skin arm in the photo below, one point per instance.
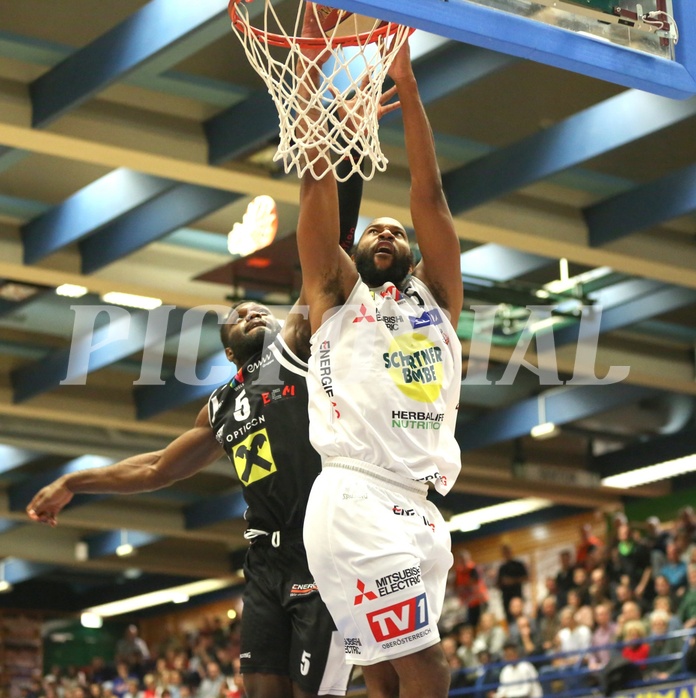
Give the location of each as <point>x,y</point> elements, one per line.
<point>183,457</point>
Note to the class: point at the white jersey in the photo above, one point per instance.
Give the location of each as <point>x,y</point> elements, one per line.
<point>384,380</point>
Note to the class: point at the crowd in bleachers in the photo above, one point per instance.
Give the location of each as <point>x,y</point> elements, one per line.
<point>631,585</point>
<point>199,664</point>
<point>635,584</point>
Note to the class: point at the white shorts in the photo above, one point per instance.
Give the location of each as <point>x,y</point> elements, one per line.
<point>379,552</point>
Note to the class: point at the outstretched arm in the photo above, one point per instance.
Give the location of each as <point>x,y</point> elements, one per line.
<point>186,455</point>
<point>439,268</point>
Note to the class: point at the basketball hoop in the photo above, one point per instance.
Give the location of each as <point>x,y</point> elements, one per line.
<point>360,50</point>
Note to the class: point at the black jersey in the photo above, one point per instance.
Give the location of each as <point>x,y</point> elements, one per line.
<point>261,420</point>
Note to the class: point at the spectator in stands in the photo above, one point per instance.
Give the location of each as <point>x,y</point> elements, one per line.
<point>490,636</point>
<point>630,612</point>
<point>132,648</point>
<point>512,574</point>
<point>637,649</point>
<point>519,678</point>
<point>656,539</point>
<point>572,637</point>
<point>687,607</point>
<point>660,603</point>
<point>604,634</point>
<point>674,570</point>
<point>548,625</point>
<point>564,578</point>
<point>470,587</point>
<point>449,647</point>
<point>589,542</point>
<point>466,653</point>
<point>634,559</point>
<point>516,611</point>
<point>119,685</point>
<point>527,642</point>
<point>659,626</point>
<point>599,590</point>
<point>212,681</point>
<point>581,585</point>
<point>663,589</point>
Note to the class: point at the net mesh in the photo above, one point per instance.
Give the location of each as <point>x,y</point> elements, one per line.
<point>340,117</point>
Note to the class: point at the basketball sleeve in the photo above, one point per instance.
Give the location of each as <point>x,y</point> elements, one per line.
<point>349,198</point>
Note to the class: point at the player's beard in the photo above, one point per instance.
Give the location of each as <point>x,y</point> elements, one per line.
<point>246,346</point>
<point>395,273</point>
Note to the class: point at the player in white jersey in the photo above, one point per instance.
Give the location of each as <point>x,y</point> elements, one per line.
<point>385,375</point>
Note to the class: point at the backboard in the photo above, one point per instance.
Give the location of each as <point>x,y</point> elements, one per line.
<point>645,44</point>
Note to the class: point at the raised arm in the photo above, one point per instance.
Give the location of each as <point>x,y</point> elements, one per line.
<point>186,455</point>
<point>439,268</point>
<point>327,273</point>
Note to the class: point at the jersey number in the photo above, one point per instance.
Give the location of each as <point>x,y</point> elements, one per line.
<point>242,410</point>
<point>304,663</point>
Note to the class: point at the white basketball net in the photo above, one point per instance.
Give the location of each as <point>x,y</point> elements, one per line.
<point>347,123</point>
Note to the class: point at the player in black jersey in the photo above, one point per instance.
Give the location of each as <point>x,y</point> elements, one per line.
<point>289,646</point>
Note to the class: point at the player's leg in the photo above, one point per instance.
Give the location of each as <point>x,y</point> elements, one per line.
<point>424,674</point>
<point>316,661</point>
<point>381,680</point>
<point>266,628</point>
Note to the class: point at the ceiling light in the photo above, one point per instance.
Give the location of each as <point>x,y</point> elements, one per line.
<point>180,597</point>
<point>155,598</point>
<point>11,291</point>
<point>124,550</point>
<point>472,520</point>
<point>91,620</point>
<point>652,473</point>
<point>131,301</point>
<point>5,586</point>
<point>72,291</point>
<point>258,227</point>
<point>546,430</point>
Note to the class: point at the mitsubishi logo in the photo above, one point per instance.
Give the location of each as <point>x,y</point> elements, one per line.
<point>369,595</point>
<point>363,315</point>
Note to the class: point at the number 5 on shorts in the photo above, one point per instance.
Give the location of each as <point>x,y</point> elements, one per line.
<point>304,663</point>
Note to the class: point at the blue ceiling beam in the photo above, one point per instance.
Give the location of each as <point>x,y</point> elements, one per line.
<point>622,119</point>
<point>153,220</point>
<point>114,55</point>
<point>103,544</point>
<point>639,308</point>
<point>211,511</point>
<point>16,571</point>
<point>23,492</point>
<point>656,450</point>
<point>642,207</point>
<point>123,335</point>
<point>88,210</point>
<point>561,407</point>
<point>498,263</point>
<point>151,400</point>
<point>12,458</point>
<point>471,23</point>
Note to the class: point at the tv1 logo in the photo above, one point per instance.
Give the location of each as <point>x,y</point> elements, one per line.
<point>400,619</point>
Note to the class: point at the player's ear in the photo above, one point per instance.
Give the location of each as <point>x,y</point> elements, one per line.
<point>230,356</point>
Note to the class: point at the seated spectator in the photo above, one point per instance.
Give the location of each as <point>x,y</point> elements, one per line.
<point>518,679</point>
<point>548,625</point>
<point>630,612</point>
<point>490,636</point>
<point>526,640</point>
<point>449,647</point>
<point>663,604</point>
<point>212,681</point>
<point>659,626</point>
<point>674,570</point>
<point>637,649</point>
<point>664,590</point>
<point>604,634</point>
<point>599,590</point>
<point>581,585</point>
<point>515,612</point>
<point>465,651</point>
<point>687,607</point>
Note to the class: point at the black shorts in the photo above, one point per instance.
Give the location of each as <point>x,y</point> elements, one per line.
<point>286,628</point>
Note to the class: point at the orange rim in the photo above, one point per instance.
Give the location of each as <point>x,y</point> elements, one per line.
<point>385,29</point>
